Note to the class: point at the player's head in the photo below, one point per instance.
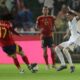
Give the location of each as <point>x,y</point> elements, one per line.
<point>45,10</point>
<point>70,15</point>
<point>64,8</point>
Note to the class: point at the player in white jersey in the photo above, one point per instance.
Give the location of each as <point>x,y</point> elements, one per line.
<point>76,42</point>
<point>72,21</point>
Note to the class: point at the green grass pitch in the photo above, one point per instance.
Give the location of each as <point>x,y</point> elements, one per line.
<point>9,72</point>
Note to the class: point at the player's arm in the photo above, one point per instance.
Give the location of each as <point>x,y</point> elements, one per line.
<point>67,34</point>
<point>14,32</point>
<point>76,13</point>
<point>54,26</point>
<point>73,11</point>
<point>37,26</point>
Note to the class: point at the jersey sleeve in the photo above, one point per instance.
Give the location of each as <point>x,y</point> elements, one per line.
<point>12,29</point>
<point>53,19</point>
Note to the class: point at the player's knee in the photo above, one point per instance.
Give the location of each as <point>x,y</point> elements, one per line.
<point>45,55</point>
<point>21,53</point>
<point>65,50</point>
<point>13,56</point>
<point>56,48</point>
<point>45,51</point>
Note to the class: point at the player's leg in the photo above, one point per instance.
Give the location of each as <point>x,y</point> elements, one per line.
<point>51,46</point>
<point>68,56</point>
<point>10,51</point>
<point>26,61</point>
<point>24,58</point>
<point>45,55</point>
<point>61,58</point>
<point>60,55</point>
<point>53,57</point>
<point>20,52</point>
<point>16,63</point>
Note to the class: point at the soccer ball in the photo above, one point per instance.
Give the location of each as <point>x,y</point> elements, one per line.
<point>35,69</point>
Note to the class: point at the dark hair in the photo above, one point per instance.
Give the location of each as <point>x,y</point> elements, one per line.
<point>6,17</point>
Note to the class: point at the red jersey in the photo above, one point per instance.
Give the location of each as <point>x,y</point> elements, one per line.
<point>46,23</point>
<point>5,34</point>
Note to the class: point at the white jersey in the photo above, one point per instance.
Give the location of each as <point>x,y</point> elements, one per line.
<point>72,27</point>
<point>77,39</point>
<point>78,32</point>
<point>74,35</point>
<point>78,26</point>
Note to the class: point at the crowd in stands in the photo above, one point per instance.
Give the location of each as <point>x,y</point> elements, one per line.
<point>25,12</point>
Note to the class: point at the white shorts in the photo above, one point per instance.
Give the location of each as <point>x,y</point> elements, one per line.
<point>77,42</point>
<point>71,40</point>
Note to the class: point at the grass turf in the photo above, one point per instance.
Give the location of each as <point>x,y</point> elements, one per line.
<point>9,72</point>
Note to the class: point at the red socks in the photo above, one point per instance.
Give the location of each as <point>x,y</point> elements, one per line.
<point>16,63</point>
<point>53,58</point>
<point>25,59</point>
<point>46,59</point>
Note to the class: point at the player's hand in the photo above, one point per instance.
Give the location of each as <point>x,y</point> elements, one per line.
<point>65,37</point>
<point>71,10</point>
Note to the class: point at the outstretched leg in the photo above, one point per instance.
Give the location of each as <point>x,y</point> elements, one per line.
<point>16,62</point>
<point>25,59</point>
<point>61,58</point>
<point>68,56</point>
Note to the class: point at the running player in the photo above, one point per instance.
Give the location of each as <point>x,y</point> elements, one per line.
<point>72,21</point>
<point>45,24</point>
<point>9,46</point>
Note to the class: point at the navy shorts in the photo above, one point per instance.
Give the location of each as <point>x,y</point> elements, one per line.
<point>47,42</point>
<point>12,49</point>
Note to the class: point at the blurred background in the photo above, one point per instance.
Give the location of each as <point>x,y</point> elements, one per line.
<point>25,13</point>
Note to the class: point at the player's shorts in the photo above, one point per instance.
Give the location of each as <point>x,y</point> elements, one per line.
<point>71,40</point>
<point>12,49</point>
<point>47,42</point>
<point>73,47</point>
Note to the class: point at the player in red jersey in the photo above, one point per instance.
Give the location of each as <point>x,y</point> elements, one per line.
<point>45,23</point>
<point>9,46</point>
